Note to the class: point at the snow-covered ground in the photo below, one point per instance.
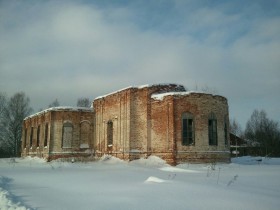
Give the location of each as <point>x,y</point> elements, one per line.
<point>247,183</point>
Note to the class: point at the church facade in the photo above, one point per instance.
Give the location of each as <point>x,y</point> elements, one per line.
<point>163,120</point>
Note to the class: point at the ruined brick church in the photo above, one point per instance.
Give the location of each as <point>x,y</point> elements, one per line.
<point>163,120</point>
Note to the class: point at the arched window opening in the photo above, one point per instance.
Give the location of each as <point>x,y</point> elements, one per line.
<point>38,136</point>
<point>25,138</point>
<point>85,134</point>
<point>46,135</point>
<point>226,130</point>
<point>110,134</point>
<point>67,135</point>
<point>31,137</point>
<point>212,129</point>
<point>187,129</point>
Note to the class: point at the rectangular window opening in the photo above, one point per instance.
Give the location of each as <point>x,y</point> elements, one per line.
<point>67,135</point>
<point>25,138</point>
<point>46,135</point>
<point>110,134</point>
<point>38,136</point>
<point>226,136</point>
<point>31,137</point>
<point>188,134</point>
<point>212,126</point>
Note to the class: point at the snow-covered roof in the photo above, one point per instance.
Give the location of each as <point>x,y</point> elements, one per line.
<point>160,96</point>
<point>62,108</point>
<point>103,96</point>
<point>138,87</point>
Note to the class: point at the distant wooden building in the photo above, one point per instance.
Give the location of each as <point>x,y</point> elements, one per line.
<point>241,147</point>
<point>163,120</point>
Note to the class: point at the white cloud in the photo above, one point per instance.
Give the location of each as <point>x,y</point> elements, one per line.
<point>70,49</point>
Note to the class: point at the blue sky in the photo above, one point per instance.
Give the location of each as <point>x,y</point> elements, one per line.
<point>71,49</point>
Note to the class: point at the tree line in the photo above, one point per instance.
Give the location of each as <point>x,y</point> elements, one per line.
<point>13,110</point>
<point>259,128</point>
<point>260,131</point>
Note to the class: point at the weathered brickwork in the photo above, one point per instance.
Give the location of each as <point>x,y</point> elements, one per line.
<point>50,137</point>
<point>30,137</point>
<point>130,112</point>
<point>114,109</point>
<point>201,106</point>
<point>162,129</point>
<point>132,123</point>
<point>167,127</point>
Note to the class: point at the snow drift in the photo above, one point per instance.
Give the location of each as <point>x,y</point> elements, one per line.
<point>110,183</point>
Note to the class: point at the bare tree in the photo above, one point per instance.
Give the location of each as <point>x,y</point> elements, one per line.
<point>266,132</point>
<point>83,102</point>
<point>16,110</point>
<point>235,128</point>
<point>3,104</point>
<point>55,103</point>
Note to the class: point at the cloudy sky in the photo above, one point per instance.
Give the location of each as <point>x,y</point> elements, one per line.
<point>72,49</point>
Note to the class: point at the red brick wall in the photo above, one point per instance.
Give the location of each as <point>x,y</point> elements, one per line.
<point>201,105</point>
<point>115,108</point>
<point>55,120</point>
<point>130,110</point>
<point>167,127</point>
<point>162,128</point>
<point>32,149</point>
<point>142,125</point>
